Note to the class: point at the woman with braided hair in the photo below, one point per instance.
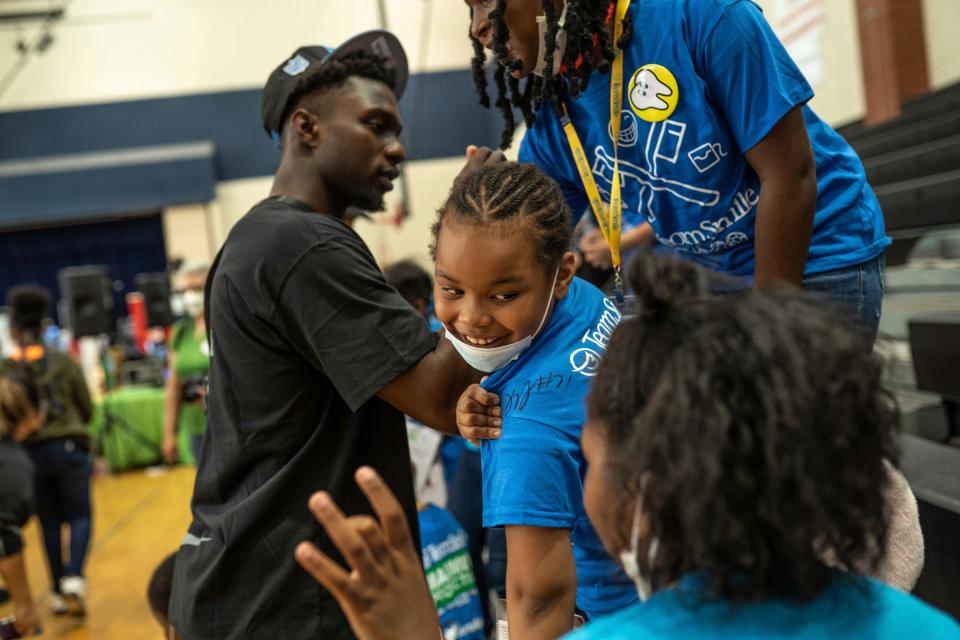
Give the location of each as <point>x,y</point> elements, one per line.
<point>697,111</point>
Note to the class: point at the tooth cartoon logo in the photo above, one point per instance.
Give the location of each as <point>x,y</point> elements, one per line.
<point>654,93</point>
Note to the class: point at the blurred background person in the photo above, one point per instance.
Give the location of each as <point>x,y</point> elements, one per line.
<point>20,416</point>
<point>60,449</point>
<point>188,361</point>
<point>416,286</point>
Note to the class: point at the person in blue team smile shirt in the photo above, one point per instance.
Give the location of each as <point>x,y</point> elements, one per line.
<point>506,295</point>
<point>719,151</point>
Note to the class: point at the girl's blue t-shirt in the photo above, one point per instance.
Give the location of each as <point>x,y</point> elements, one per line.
<point>704,82</point>
<point>849,609</point>
<point>533,475</point>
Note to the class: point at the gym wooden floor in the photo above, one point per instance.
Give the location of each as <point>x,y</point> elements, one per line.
<point>139,518</point>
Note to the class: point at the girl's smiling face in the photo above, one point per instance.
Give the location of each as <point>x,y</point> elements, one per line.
<point>491,289</point>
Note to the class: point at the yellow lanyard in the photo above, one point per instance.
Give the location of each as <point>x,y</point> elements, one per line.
<point>610,219</point>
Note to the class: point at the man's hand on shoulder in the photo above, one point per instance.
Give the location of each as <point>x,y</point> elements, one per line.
<point>429,390</point>
<point>481,157</point>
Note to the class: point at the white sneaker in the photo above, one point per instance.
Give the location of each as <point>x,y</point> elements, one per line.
<point>58,606</point>
<point>74,590</point>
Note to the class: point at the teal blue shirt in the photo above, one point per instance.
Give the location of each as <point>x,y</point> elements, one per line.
<point>848,609</point>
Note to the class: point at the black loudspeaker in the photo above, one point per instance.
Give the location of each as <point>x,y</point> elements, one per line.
<point>88,296</point>
<point>155,288</point>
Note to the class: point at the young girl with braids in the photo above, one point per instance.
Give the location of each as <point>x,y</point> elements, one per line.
<point>718,151</point>
<point>732,471</point>
<point>507,297</point>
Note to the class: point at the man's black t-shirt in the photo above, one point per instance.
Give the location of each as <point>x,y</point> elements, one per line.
<point>304,333</point>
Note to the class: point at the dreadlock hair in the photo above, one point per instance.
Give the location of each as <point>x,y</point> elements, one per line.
<point>587,27</point>
<point>511,193</point>
<point>764,426</point>
<point>334,74</point>
<point>479,73</point>
<point>28,304</point>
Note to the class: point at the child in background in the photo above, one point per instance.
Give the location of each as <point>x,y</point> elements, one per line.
<point>506,294</point>
<point>414,284</point>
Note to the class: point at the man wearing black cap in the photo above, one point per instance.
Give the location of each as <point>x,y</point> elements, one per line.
<point>313,355</point>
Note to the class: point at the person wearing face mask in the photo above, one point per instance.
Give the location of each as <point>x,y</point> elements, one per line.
<point>511,306</point>
<point>740,479</point>
<point>188,361</point>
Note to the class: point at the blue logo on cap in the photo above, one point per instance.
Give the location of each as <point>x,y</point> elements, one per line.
<point>296,65</point>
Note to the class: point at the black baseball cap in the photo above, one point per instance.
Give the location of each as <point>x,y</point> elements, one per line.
<point>283,81</point>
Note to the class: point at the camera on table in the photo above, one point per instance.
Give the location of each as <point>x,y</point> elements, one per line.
<point>192,389</point>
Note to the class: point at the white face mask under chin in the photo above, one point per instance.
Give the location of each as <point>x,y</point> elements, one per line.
<point>558,51</point>
<point>489,360</point>
<point>628,558</point>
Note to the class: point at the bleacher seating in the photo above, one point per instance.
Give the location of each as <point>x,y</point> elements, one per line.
<point>932,470</point>
<point>913,163</point>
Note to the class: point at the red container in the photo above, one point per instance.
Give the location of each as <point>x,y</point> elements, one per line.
<point>137,309</point>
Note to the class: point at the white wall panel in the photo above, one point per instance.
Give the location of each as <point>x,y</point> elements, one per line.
<point>107,51</point>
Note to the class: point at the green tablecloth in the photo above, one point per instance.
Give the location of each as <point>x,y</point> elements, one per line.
<point>132,423</point>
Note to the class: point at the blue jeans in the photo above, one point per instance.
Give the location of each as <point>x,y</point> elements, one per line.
<point>62,484</point>
<point>858,288</point>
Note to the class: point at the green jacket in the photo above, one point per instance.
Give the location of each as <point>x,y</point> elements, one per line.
<point>68,399</point>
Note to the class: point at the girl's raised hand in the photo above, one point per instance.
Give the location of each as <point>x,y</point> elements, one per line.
<point>385,595</point>
<point>479,415</point>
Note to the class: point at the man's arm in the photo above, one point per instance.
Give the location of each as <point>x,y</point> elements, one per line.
<point>788,198</point>
<point>171,409</point>
<point>541,582</point>
<point>430,389</point>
